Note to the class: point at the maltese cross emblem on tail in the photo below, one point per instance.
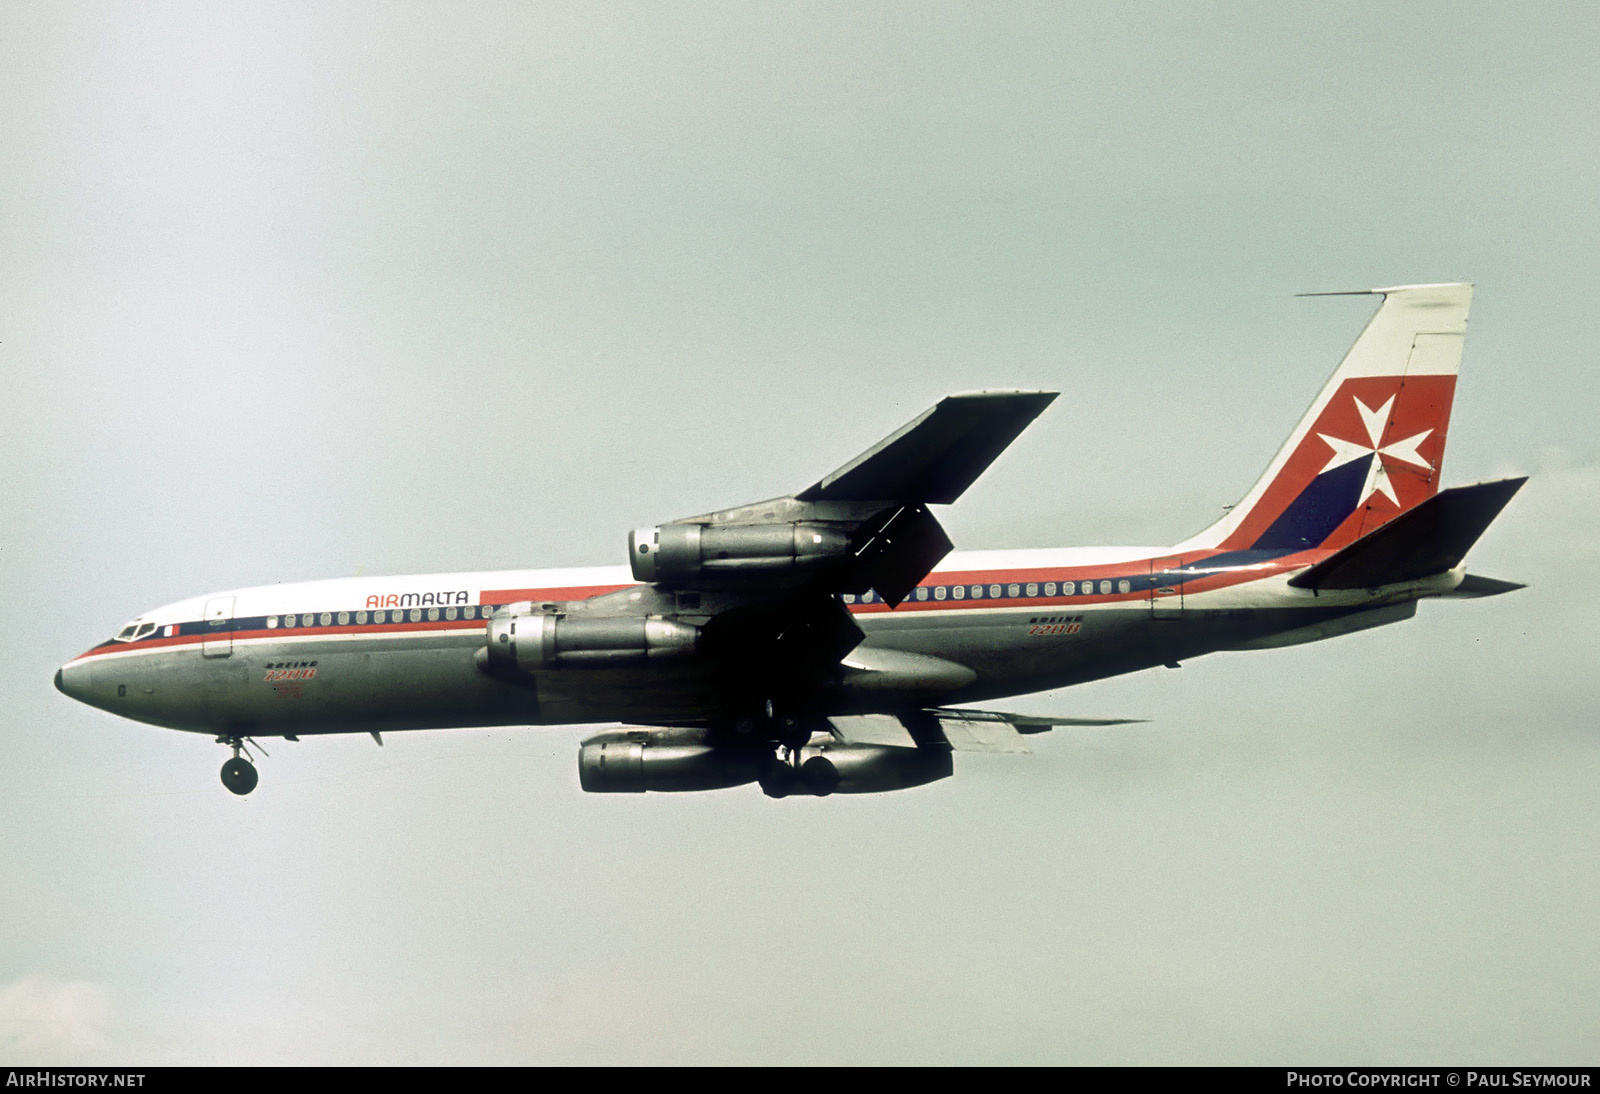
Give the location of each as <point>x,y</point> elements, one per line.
<point>1373,448</point>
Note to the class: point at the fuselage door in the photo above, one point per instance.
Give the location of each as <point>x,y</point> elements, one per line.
<point>1166,588</point>
<point>218,640</point>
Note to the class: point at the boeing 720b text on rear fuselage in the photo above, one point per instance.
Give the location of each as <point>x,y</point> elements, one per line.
<point>822,641</point>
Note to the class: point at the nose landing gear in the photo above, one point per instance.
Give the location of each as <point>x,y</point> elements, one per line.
<point>239,774</point>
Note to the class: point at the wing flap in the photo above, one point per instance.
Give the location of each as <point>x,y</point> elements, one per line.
<point>958,730</point>
<point>966,735</point>
<point>882,730</point>
<point>929,729</point>
<point>901,551</point>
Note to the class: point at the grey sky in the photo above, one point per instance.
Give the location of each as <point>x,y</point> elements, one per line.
<point>304,291</point>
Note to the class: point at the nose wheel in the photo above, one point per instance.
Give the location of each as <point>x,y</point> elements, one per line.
<point>239,774</point>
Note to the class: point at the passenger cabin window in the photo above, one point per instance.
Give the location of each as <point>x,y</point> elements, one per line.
<point>272,621</point>
<point>1049,588</point>
<point>1105,587</point>
<point>1124,585</point>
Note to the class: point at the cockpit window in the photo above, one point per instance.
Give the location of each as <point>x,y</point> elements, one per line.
<point>143,631</point>
<point>126,633</point>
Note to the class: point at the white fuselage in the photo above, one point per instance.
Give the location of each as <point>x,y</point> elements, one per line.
<point>387,653</point>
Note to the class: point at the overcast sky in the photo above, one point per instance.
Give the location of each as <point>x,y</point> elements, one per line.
<point>298,291</point>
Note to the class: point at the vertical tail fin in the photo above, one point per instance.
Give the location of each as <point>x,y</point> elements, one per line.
<point>1372,445</point>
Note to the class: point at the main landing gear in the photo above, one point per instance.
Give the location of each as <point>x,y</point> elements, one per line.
<point>783,775</point>
<point>239,774</point>
<point>788,770</point>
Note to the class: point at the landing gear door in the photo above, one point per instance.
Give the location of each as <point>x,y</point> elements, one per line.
<point>218,640</point>
<point>1166,588</point>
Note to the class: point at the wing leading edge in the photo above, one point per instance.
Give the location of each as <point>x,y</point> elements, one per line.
<point>933,458</point>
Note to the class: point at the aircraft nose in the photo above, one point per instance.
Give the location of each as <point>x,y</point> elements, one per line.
<point>72,680</point>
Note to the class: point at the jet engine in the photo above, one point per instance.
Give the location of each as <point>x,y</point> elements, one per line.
<point>631,761</point>
<point>701,554</point>
<point>623,761</point>
<point>527,640</point>
<point>831,768</point>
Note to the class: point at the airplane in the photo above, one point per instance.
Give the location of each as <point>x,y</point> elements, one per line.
<point>829,641</point>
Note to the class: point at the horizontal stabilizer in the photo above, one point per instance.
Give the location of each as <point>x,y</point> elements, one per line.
<point>1429,539</point>
<point>934,458</point>
<point>1473,586</point>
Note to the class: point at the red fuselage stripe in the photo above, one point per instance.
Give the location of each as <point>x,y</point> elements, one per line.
<point>1202,582</point>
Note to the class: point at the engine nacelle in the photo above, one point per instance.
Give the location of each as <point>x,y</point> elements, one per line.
<point>527,640</point>
<point>627,761</point>
<point>701,554</point>
<point>866,769</point>
<point>632,761</point>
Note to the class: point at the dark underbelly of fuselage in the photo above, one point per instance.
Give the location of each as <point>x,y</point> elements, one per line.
<point>295,686</point>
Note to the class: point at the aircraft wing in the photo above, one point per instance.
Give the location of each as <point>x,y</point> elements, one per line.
<point>864,528</point>
<point>958,729</point>
<point>934,458</point>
